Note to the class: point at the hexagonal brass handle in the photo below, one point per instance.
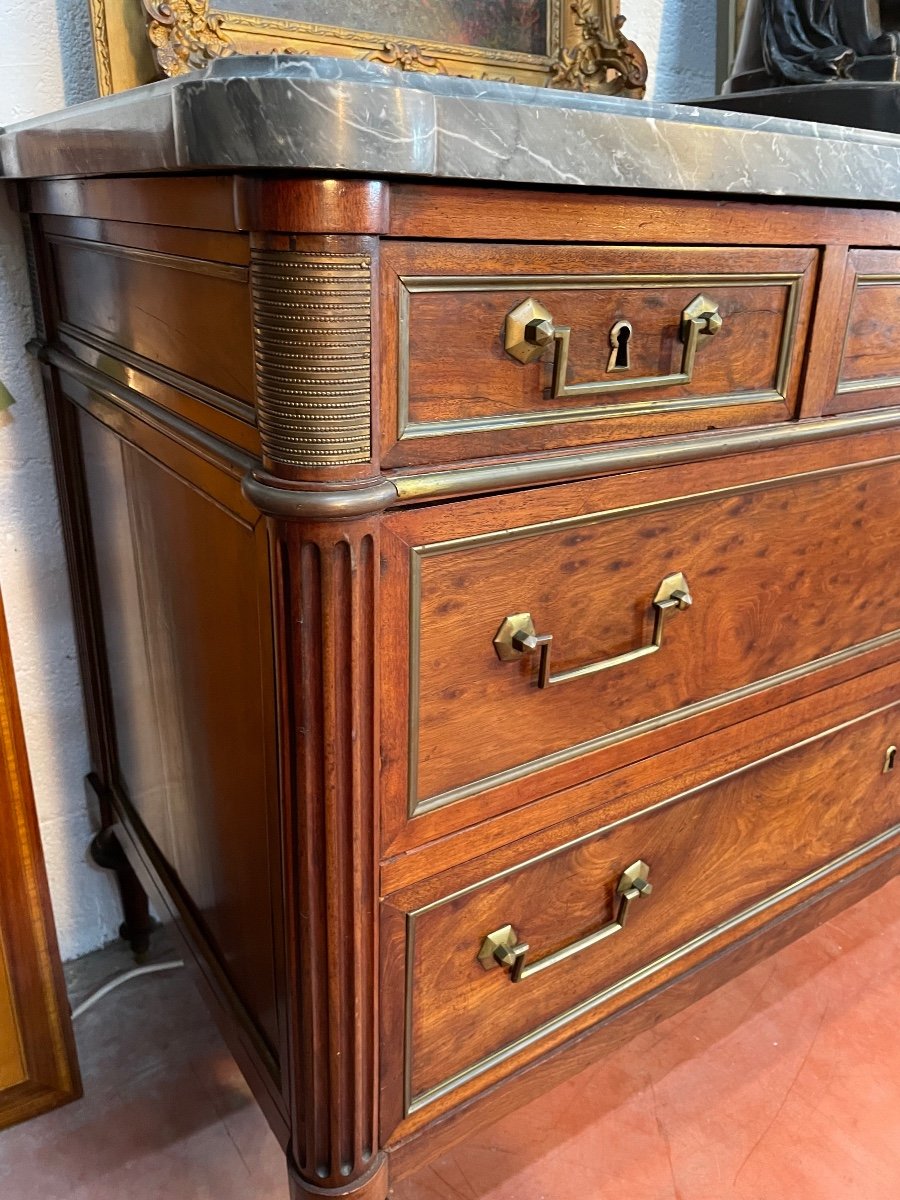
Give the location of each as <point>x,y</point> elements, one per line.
<point>517,636</point>
<point>502,948</point>
<point>530,329</point>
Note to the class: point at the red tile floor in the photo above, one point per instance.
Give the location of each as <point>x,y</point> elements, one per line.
<point>784,1083</point>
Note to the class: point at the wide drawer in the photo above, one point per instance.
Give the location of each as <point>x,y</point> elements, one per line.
<point>785,576</point>
<point>501,349</point>
<point>573,934</point>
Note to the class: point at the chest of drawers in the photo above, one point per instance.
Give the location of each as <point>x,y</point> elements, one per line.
<point>488,608</point>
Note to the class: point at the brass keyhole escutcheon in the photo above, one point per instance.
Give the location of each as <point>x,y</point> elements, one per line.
<point>620,341</point>
<point>890,759</point>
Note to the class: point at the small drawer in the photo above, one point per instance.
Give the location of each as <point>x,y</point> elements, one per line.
<point>540,950</point>
<point>604,610</point>
<point>869,373</point>
<point>505,349</point>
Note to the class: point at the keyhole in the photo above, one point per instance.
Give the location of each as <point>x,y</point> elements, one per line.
<point>620,341</point>
<point>890,757</point>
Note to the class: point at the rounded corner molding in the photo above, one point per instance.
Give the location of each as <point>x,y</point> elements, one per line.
<point>276,498</point>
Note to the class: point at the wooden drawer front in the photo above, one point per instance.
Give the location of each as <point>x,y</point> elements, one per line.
<point>869,374</point>
<point>459,393</point>
<point>784,575</point>
<point>720,857</point>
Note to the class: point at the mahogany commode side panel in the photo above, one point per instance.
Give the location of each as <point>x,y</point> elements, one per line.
<point>305,485</point>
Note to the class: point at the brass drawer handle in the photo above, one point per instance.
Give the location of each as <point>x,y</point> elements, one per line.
<point>517,636</point>
<point>502,948</point>
<point>530,329</point>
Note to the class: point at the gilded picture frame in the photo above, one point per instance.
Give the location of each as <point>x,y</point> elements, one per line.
<point>137,41</point>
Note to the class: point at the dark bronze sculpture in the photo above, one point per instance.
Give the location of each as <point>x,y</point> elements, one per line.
<point>790,42</point>
<point>836,61</point>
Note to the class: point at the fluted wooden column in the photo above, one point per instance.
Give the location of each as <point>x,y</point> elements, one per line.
<point>313,338</point>
<point>328,576</point>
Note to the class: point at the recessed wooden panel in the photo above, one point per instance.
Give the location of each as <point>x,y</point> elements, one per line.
<point>716,854</point>
<point>183,589</point>
<point>870,366</point>
<point>458,393</point>
<point>190,315</point>
<point>784,575</point>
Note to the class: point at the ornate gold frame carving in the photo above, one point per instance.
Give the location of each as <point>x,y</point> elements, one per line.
<point>185,35</point>
<point>136,41</point>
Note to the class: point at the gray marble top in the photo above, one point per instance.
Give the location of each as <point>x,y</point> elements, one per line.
<point>331,115</point>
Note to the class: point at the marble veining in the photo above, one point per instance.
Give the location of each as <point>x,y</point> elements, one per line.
<point>340,115</point>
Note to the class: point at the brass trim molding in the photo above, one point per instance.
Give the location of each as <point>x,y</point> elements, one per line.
<point>409,286</point>
<point>117,359</point>
<point>417,806</point>
<point>878,383</point>
<point>416,487</point>
<point>414,1103</point>
<point>121,398</point>
<point>397,490</point>
<point>312,337</point>
<point>275,498</point>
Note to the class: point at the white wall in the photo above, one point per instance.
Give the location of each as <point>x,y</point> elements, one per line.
<point>36,77</point>
<point>679,39</point>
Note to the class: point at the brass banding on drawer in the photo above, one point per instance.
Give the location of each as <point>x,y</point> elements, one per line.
<point>767,557</point>
<point>868,373</point>
<point>725,854</point>
<point>530,348</point>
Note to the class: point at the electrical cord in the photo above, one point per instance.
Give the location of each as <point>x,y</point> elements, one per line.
<point>124,978</point>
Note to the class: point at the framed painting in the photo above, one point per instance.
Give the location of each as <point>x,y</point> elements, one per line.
<point>577,44</point>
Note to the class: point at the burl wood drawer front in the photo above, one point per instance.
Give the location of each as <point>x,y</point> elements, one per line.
<point>501,349</point>
<point>869,373</point>
<point>576,932</point>
<point>603,610</point>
